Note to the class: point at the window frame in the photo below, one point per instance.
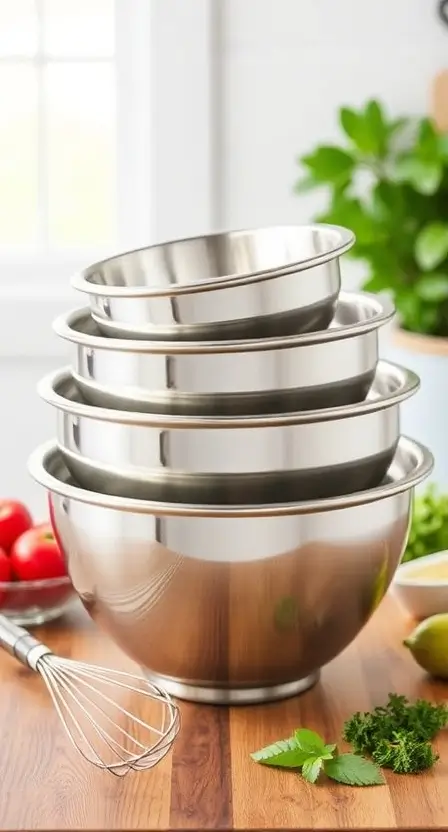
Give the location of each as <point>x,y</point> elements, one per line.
<point>168,58</point>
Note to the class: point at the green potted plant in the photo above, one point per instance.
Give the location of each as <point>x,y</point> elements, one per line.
<point>387,180</point>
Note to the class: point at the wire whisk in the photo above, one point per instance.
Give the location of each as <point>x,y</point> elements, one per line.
<point>91,702</point>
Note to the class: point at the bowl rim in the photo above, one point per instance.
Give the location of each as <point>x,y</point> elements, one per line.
<point>41,583</point>
<point>401,579</point>
<point>408,382</point>
<point>421,469</point>
<point>383,311</point>
<point>80,280</point>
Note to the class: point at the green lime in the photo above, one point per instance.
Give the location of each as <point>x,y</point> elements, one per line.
<point>428,644</point>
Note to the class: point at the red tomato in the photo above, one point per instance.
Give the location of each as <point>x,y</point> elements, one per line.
<point>36,555</point>
<point>14,520</point>
<point>5,567</point>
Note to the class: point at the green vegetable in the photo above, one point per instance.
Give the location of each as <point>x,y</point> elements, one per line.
<point>307,751</point>
<point>387,180</point>
<point>429,525</point>
<point>353,771</point>
<point>404,754</point>
<point>398,736</point>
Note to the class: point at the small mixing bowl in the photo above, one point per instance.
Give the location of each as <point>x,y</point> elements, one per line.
<point>232,604</point>
<point>329,368</point>
<point>421,594</point>
<point>257,283</point>
<point>296,456</point>
<point>31,603</point>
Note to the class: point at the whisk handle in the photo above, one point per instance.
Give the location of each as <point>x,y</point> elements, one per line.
<point>19,643</point>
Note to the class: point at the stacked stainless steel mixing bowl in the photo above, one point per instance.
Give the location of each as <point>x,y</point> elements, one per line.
<point>229,483</point>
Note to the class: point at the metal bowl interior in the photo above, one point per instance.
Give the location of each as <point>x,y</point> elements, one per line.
<point>391,385</point>
<point>355,313</point>
<point>214,259</point>
<point>235,605</point>
<point>288,457</point>
<point>266,376</point>
<point>224,286</point>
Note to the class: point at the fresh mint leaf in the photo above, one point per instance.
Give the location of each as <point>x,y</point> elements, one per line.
<point>283,754</point>
<point>312,768</point>
<point>431,245</point>
<point>353,771</point>
<point>309,741</point>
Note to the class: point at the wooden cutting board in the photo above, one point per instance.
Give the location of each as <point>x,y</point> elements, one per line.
<point>209,781</point>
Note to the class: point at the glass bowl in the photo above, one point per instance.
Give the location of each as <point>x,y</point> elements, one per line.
<point>30,603</point>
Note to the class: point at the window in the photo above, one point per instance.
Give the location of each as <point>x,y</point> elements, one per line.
<point>71,171</point>
<point>108,140</point>
<point>57,124</point>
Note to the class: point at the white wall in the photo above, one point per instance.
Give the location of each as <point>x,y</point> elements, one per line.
<point>25,421</point>
<point>289,64</point>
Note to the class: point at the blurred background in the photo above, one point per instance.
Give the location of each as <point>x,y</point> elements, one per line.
<point>126,122</point>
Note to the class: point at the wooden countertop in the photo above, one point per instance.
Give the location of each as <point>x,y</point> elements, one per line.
<point>209,781</point>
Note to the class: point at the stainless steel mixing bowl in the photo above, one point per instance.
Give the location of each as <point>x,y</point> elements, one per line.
<point>236,284</point>
<point>299,372</point>
<point>297,456</point>
<point>233,605</point>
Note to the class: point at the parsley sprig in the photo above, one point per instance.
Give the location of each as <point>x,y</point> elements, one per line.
<point>398,735</point>
<point>395,736</point>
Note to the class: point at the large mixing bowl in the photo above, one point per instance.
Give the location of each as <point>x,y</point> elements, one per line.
<point>299,372</point>
<point>297,456</point>
<point>243,604</point>
<point>236,284</point>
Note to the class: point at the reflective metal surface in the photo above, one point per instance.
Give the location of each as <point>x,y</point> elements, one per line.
<point>296,456</point>
<point>300,372</point>
<point>238,284</point>
<point>237,604</point>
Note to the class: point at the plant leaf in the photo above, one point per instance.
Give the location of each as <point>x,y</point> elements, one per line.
<point>309,741</point>
<point>284,754</point>
<point>329,164</point>
<point>350,123</point>
<point>397,125</point>
<point>305,185</point>
<point>312,768</point>
<point>424,176</point>
<point>351,213</point>
<point>367,129</point>
<point>432,287</point>
<point>376,126</point>
<point>353,771</point>
<point>431,245</point>
<point>427,145</point>
<point>377,283</point>
<point>443,145</point>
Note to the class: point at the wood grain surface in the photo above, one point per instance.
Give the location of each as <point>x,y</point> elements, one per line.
<point>209,781</point>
